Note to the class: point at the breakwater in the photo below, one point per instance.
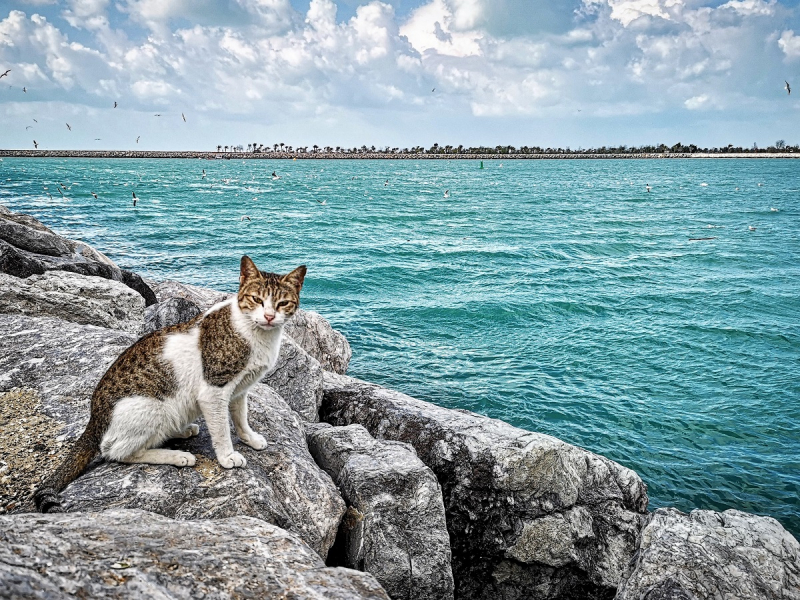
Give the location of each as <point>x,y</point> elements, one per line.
<point>190,154</point>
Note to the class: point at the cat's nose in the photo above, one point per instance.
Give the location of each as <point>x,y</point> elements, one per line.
<point>269,318</point>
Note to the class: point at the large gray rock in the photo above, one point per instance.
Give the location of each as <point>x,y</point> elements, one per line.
<point>75,298</point>
<point>203,298</point>
<point>27,247</point>
<point>529,516</point>
<point>395,525</point>
<point>707,555</point>
<point>169,312</point>
<point>62,362</point>
<point>316,336</point>
<point>136,554</point>
<point>297,377</point>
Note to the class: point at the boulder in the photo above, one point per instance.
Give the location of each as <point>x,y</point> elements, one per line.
<point>61,363</point>
<point>315,335</point>
<point>203,298</point>
<point>297,377</point>
<point>528,514</point>
<point>169,312</point>
<point>75,298</point>
<point>395,526</point>
<point>708,555</point>
<point>136,554</point>
<point>27,247</point>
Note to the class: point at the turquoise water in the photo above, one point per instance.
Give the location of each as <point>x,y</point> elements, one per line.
<point>557,295</point>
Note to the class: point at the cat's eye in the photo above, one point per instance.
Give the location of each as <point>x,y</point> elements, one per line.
<point>283,304</point>
<point>256,299</point>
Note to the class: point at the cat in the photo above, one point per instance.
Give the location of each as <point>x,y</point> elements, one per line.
<point>168,378</point>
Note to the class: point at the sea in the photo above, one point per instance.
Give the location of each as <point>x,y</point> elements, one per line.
<point>658,328</point>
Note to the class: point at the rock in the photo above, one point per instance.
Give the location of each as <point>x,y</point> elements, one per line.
<point>315,335</point>
<point>528,515</point>
<point>708,555</point>
<point>169,312</point>
<point>75,298</point>
<point>62,362</point>
<point>204,298</point>
<point>17,263</point>
<point>297,377</point>
<point>27,247</point>
<point>136,554</point>
<point>395,526</point>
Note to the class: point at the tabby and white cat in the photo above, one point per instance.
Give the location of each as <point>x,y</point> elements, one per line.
<point>167,379</point>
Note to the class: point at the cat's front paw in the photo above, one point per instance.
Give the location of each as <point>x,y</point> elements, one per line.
<point>254,440</point>
<point>234,459</point>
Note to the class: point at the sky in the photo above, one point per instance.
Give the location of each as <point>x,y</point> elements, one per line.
<point>397,73</point>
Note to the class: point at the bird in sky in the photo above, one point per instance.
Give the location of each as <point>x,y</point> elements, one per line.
<point>35,144</point>
<point>68,127</point>
<point>433,90</point>
<point>4,74</point>
<point>97,139</point>
<point>134,198</point>
<point>35,121</point>
<point>115,105</point>
<point>245,217</point>
<point>787,87</point>
<point>29,127</point>
<point>157,115</point>
<point>137,138</point>
<point>184,117</point>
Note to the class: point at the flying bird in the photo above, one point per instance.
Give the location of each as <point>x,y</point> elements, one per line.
<point>184,117</point>
<point>204,174</point>
<point>134,198</point>
<point>115,105</point>
<point>35,121</point>
<point>4,74</point>
<point>433,90</point>
<point>24,89</point>
<point>245,217</point>
<point>35,144</point>
<point>68,127</point>
<point>787,87</point>
<point>29,127</point>
<point>137,138</point>
<point>157,115</point>
<point>95,195</point>
<point>97,139</point>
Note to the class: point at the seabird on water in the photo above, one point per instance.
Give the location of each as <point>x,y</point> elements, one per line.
<point>447,193</point>
<point>647,187</point>
<point>787,87</point>
<point>245,217</point>
<point>204,174</point>
<point>323,202</point>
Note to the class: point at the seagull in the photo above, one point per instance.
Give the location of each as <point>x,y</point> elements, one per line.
<point>35,144</point>
<point>35,121</point>
<point>115,105</point>
<point>184,117</point>
<point>647,187</point>
<point>751,228</point>
<point>447,193</point>
<point>60,192</point>
<point>156,115</point>
<point>773,209</point>
<point>95,195</point>
<point>787,87</point>
<point>68,127</point>
<point>204,174</point>
<point>321,202</point>
<point>29,127</point>
<point>387,183</point>
<point>137,138</point>
<point>134,198</point>
<point>275,176</point>
<point>24,89</point>
<point>4,74</point>
<point>97,139</point>
<point>245,217</point>
<point>433,90</point>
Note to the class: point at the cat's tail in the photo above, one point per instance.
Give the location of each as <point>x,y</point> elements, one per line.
<point>82,453</point>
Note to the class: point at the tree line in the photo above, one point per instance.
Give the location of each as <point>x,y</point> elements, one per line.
<point>679,148</point>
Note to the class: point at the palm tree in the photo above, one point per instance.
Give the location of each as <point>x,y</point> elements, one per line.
<point>219,148</point>
<point>282,145</point>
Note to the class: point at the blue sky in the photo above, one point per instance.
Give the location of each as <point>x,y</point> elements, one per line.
<point>397,73</point>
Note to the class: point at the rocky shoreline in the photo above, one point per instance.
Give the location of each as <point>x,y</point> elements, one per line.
<point>192,154</point>
<point>362,492</point>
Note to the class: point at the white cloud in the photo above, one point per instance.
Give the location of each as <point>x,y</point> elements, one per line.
<point>790,44</point>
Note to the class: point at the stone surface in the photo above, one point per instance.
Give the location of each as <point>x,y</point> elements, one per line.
<point>27,247</point>
<point>62,362</point>
<point>297,377</point>
<point>169,312</point>
<point>316,336</point>
<point>395,525</point>
<point>75,298</point>
<point>528,515</point>
<point>204,298</point>
<point>136,554</point>
<point>707,555</point>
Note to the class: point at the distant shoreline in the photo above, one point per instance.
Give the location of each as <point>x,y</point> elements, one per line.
<point>191,154</point>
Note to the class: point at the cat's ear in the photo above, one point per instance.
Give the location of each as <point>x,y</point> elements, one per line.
<point>249,270</point>
<point>295,278</point>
